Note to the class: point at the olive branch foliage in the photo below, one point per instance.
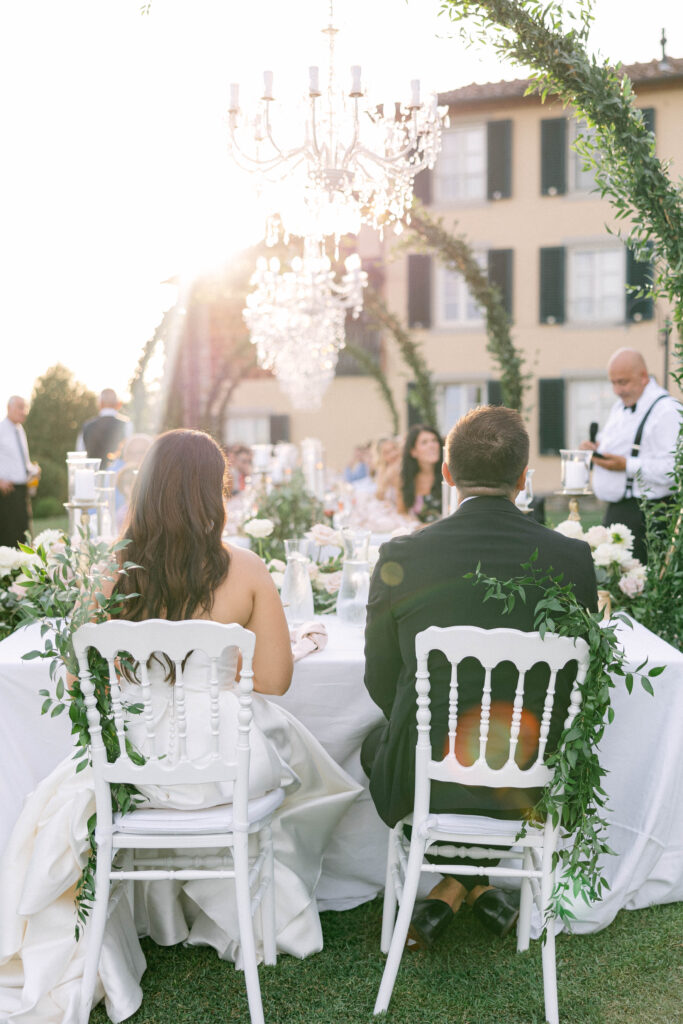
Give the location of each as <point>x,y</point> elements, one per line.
<point>575,798</point>
<point>63,592</point>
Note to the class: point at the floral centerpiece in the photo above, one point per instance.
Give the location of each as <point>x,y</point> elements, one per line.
<point>616,570</point>
<point>16,572</point>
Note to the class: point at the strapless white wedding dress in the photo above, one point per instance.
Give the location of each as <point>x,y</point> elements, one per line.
<point>40,961</point>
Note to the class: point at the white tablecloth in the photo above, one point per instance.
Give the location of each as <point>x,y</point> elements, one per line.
<point>642,751</point>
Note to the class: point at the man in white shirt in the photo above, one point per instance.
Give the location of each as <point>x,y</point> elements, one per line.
<point>16,469</point>
<point>634,452</point>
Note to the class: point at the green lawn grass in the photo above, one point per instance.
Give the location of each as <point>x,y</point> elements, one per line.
<point>630,973</point>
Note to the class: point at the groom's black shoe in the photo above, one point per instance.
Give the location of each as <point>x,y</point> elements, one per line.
<point>497,910</point>
<point>430,919</point>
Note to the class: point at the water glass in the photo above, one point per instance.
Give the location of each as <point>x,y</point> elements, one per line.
<point>297,593</point>
<point>352,599</point>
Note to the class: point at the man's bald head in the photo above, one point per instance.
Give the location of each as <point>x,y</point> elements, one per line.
<point>628,375</point>
<point>109,399</point>
<point>16,409</point>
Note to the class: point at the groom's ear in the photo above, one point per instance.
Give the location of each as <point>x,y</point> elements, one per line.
<point>521,481</point>
<point>446,473</point>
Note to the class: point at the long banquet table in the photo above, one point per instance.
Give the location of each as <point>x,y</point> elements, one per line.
<point>642,751</point>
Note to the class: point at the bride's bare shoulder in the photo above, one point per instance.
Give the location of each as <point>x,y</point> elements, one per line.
<point>244,561</point>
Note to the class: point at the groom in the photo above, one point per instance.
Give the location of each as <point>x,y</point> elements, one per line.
<point>418,582</point>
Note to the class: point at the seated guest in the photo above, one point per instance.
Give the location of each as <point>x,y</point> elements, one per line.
<point>418,582</point>
<point>420,480</point>
<point>387,469</point>
<point>240,462</point>
<point>359,466</point>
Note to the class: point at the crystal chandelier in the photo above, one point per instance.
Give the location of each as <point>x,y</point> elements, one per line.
<point>353,162</point>
<point>296,320</point>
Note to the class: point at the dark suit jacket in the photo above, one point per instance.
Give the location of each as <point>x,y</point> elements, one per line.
<point>418,582</point>
<point>102,436</point>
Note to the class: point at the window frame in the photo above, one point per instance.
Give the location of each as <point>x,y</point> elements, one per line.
<point>440,194</point>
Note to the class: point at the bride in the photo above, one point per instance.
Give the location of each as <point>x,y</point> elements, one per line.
<point>174,528</point>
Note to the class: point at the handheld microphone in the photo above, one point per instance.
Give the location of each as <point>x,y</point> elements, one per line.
<point>592,432</point>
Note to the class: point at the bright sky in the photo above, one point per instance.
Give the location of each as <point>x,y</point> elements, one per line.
<point>113,127</point>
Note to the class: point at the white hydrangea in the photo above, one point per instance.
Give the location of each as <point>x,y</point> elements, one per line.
<point>10,560</point>
<point>608,554</point>
<point>259,528</point>
<point>313,571</point>
<point>570,528</point>
<point>331,581</point>
<point>597,535</point>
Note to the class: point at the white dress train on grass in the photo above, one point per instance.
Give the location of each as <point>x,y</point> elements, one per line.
<point>40,961</point>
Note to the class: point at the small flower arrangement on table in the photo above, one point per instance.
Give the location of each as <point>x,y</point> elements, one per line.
<point>616,570</point>
<point>16,565</point>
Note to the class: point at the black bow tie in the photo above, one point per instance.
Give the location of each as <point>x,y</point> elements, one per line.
<point>630,408</point>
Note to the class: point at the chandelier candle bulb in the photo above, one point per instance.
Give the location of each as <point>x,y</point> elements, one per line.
<point>234,98</point>
<point>415,93</point>
<point>355,81</point>
<point>314,81</point>
<point>268,85</point>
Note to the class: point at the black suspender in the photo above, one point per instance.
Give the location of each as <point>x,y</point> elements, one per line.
<point>628,493</point>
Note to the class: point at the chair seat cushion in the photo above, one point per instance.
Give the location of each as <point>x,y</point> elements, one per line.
<point>474,825</point>
<point>161,820</point>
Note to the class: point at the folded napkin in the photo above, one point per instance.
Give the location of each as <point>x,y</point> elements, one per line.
<point>307,638</point>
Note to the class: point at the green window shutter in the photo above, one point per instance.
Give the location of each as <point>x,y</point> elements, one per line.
<point>422,186</point>
<point>499,159</point>
<point>494,394</point>
<point>419,290</point>
<point>279,428</point>
<point>500,274</point>
<point>550,415</point>
<point>639,275</point>
<point>552,285</point>
<point>649,118</point>
<point>554,156</point>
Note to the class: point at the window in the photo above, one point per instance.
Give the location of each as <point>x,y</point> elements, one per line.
<point>454,400</point>
<point>460,173</point>
<point>596,285</point>
<point>581,179</point>
<point>561,167</point>
<point>588,401</point>
<point>454,304</point>
<point>247,428</point>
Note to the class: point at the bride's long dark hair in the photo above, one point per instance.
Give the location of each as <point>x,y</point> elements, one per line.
<point>174,528</point>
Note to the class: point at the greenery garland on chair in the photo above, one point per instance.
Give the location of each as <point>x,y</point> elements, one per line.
<point>575,798</point>
<point>66,588</point>
<point>455,252</point>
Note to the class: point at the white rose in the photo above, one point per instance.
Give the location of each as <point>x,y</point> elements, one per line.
<point>373,554</point>
<point>313,571</point>
<point>259,528</point>
<point>607,554</point>
<point>10,559</point>
<point>277,565</point>
<point>570,528</point>
<point>598,535</point>
<point>278,579</point>
<point>621,535</point>
<point>331,581</point>
<point>323,535</point>
<point>631,584</point>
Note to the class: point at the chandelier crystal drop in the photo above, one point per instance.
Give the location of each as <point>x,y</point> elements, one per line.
<point>352,163</point>
<point>297,320</point>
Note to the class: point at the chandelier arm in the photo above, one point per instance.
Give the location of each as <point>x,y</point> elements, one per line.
<point>315,145</point>
<point>393,161</point>
<point>250,163</point>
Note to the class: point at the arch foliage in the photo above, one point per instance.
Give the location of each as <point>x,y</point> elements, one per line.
<point>455,252</point>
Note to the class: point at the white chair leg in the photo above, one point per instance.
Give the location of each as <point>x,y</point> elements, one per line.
<point>268,901</point>
<point>94,931</point>
<point>390,902</point>
<point>525,903</point>
<point>552,1013</point>
<point>405,910</point>
<point>246,926</point>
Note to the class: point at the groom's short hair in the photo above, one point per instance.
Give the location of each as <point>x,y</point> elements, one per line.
<point>488,447</point>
